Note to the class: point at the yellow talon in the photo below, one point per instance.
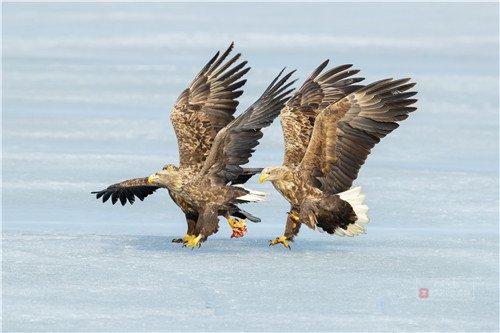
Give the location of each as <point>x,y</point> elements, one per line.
<point>280,240</point>
<point>183,240</point>
<point>235,223</point>
<point>239,227</point>
<point>187,238</point>
<point>193,242</point>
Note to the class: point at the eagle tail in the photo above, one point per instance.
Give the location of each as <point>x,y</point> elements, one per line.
<point>243,214</point>
<point>251,195</point>
<point>356,198</point>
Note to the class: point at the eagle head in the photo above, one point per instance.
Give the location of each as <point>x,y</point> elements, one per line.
<point>271,174</point>
<point>168,177</point>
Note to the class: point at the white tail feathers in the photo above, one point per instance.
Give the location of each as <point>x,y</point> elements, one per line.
<point>252,196</point>
<point>356,198</point>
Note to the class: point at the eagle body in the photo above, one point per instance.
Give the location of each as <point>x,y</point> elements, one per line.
<point>213,146</point>
<point>194,201</point>
<point>293,188</point>
<point>221,196</point>
<point>214,188</point>
<point>330,126</point>
<point>313,206</point>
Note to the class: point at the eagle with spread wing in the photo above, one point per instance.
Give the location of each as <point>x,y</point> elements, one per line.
<point>211,190</point>
<point>330,126</point>
<point>200,113</point>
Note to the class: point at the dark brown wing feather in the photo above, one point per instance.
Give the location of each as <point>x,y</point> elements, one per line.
<point>245,175</point>
<point>204,108</point>
<point>345,133</point>
<point>317,92</point>
<point>235,143</point>
<point>127,190</point>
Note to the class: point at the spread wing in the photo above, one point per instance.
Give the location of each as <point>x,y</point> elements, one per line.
<point>127,190</point>
<point>235,143</point>
<point>317,93</point>
<point>345,132</point>
<point>206,106</point>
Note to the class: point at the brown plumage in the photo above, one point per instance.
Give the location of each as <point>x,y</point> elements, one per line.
<point>327,139</point>
<point>206,106</point>
<point>200,112</point>
<point>208,191</point>
<point>317,92</point>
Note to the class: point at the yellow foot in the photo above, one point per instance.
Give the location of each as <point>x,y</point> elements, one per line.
<point>193,242</point>
<point>184,239</point>
<point>283,240</point>
<point>239,227</point>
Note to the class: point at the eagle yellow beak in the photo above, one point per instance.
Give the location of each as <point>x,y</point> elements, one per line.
<point>263,177</point>
<point>151,179</point>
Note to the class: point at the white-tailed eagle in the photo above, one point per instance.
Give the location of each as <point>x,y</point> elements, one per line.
<point>330,126</point>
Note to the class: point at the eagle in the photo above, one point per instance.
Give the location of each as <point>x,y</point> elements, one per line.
<point>330,126</point>
<point>213,145</point>
<point>210,191</point>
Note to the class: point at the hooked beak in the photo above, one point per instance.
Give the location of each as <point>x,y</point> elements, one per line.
<point>263,177</point>
<point>152,179</point>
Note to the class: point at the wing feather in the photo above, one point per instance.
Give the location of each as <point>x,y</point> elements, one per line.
<point>345,133</point>
<point>127,190</point>
<point>300,112</point>
<point>206,106</point>
<point>235,143</point>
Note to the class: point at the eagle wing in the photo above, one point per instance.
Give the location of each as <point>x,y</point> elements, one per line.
<point>317,92</point>
<point>206,106</point>
<point>235,144</point>
<point>345,132</point>
<point>127,190</point>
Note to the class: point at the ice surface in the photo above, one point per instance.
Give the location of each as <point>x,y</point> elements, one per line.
<point>96,282</point>
<point>86,95</point>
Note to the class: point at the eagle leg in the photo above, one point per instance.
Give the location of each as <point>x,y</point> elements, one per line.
<point>239,227</point>
<point>294,216</point>
<point>291,230</point>
<point>190,233</point>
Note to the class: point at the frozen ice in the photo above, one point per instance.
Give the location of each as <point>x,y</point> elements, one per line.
<point>86,96</point>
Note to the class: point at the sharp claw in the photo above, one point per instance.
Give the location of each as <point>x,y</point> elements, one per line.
<point>283,240</point>
<point>184,240</point>
<point>193,242</point>
<point>238,226</point>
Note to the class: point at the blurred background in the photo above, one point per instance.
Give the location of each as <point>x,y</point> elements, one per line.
<point>87,91</point>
